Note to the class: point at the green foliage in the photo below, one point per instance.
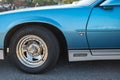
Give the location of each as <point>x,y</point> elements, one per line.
<point>9,1</point>
<point>68,1</point>
<point>40,2</point>
<point>28,3</point>
<point>50,2</point>
<point>45,2</point>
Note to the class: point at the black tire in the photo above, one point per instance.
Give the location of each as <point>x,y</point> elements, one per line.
<point>49,39</point>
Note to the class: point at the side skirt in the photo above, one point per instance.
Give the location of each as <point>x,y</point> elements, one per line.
<point>1,55</point>
<point>86,55</point>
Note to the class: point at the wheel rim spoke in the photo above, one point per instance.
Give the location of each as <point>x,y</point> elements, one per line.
<point>30,58</point>
<point>24,49</point>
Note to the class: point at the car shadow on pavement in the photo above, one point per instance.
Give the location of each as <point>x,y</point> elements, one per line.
<point>64,70</point>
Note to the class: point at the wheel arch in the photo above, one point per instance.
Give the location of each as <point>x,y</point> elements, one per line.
<point>61,38</point>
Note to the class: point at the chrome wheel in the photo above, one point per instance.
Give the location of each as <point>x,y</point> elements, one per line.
<point>32,51</point>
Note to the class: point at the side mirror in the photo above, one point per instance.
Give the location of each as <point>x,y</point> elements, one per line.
<point>107,7</point>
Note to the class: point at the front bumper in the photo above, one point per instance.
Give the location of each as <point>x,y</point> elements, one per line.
<point>1,54</point>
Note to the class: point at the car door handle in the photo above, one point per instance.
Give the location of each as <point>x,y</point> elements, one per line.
<point>107,7</point>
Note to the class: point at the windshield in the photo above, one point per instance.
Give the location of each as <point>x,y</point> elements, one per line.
<point>85,2</point>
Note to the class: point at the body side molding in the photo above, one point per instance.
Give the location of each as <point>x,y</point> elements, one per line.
<point>85,55</point>
<point>105,52</point>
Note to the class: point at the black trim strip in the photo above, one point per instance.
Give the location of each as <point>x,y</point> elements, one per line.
<point>97,5</point>
<point>86,33</point>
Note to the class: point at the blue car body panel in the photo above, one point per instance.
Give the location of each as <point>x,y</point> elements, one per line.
<point>95,24</point>
<point>61,20</point>
<point>104,28</point>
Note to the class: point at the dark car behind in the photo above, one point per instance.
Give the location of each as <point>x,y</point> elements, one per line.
<point>4,8</point>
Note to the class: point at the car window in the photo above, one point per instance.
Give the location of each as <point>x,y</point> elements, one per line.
<point>111,2</point>
<point>86,2</point>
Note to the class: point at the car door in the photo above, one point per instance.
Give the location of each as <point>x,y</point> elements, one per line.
<point>103,30</point>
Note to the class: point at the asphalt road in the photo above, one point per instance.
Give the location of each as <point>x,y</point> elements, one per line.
<point>91,70</point>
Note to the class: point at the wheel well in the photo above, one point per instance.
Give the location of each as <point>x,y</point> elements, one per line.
<point>61,38</point>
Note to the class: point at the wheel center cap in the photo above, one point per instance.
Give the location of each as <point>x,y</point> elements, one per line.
<point>33,49</point>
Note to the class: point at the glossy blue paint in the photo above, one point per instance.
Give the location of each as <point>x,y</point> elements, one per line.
<point>71,20</point>
<point>57,16</point>
<point>104,28</point>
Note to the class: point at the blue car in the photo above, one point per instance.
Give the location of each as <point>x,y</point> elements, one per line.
<point>34,38</point>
